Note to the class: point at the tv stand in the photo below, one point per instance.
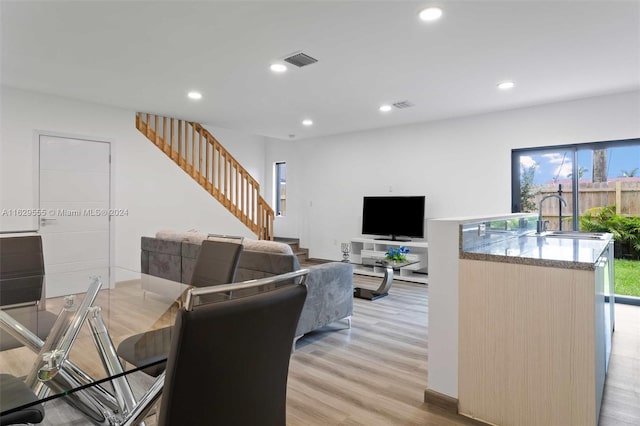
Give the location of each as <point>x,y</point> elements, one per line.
<point>393,238</point>
<point>366,252</point>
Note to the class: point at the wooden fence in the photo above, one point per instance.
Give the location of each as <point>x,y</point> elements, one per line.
<point>625,195</point>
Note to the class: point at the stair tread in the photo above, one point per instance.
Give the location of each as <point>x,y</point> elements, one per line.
<point>298,251</point>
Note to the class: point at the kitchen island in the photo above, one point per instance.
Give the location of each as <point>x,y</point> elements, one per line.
<point>535,318</point>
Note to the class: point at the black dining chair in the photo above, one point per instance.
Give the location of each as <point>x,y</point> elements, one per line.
<point>229,360</point>
<point>14,393</point>
<point>22,287</point>
<point>216,264</point>
<point>21,270</point>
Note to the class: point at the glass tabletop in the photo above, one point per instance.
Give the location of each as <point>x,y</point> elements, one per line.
<point>385,263</point>
<point>38,342</point>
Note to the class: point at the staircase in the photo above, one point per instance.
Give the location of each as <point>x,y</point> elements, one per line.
<point>301,253</point>
<point>201,156</point>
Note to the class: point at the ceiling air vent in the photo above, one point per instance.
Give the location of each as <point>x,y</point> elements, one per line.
<point>300,59</point>
<point>403,104</point>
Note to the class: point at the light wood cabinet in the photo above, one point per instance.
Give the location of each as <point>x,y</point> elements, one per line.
<point>534,342</point>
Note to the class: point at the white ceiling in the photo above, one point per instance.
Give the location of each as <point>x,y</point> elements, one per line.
<point>146,55</point>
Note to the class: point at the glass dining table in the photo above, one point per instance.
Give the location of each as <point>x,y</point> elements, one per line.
<point>64,348</point>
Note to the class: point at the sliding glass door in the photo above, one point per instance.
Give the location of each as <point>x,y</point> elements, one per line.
<point>614,179</point>
<point>606,174</point>
<point>543,172</point>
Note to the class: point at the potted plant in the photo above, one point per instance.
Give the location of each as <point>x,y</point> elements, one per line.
<point>397,255</point>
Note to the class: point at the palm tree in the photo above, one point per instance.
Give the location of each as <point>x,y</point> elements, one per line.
<point>581,171</point>
<point>629,173</point>
<point>599,165</point>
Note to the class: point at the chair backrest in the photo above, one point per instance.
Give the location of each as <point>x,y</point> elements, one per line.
<point>21,270</point>
<point>15,393</point>
<point>216,263</point>
<point>229,361</point>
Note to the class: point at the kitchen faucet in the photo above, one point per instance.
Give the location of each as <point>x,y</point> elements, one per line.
<point>541,225</point>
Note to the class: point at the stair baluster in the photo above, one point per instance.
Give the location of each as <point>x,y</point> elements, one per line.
<point>212,166</point>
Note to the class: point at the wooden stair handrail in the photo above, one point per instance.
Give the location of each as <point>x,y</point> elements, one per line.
<point>196,151</point>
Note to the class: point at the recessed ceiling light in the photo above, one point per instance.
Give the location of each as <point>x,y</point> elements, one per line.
<point>307,122</point>
<point>278,67</point>
<point>506,85</point>
<point>430,14</point>
<point>385,108</point>
<point>194,95</point>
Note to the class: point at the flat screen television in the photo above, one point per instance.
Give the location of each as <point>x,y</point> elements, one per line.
<point>393,217</point>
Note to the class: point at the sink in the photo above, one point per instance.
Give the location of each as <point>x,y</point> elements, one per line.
<point>572,235</point>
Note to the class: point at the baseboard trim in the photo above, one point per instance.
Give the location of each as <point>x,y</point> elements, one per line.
<point>449,404</point>
<point>441,400</point>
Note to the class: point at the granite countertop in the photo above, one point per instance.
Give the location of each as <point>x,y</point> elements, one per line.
<point>530,249</point>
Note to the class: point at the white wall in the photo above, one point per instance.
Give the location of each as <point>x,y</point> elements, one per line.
<point>463,166</point>
<point>157,193</point>
<point>249,150</point>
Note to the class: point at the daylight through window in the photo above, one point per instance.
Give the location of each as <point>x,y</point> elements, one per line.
<point>281,188</point>
<point>604,173</point>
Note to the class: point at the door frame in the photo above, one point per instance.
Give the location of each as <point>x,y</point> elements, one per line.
<point>36,177</point>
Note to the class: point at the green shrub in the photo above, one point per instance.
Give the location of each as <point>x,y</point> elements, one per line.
<point>625,228</point>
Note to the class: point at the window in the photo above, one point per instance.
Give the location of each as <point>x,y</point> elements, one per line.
<point>604,173</point>
<point>281,188</point>
<point>545,172</point>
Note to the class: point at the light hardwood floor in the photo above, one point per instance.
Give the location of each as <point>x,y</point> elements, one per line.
<point>373,374</point>
<point>376,372</point>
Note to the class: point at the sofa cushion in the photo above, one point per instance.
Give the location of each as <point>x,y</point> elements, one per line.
<point>165,265</point>
<point>260,264</point>
<point>267,246</point>
<point>161,258</point>
<point>172,247</point>
<point>195,237</point>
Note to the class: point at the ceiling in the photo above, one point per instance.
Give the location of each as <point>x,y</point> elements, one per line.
<point>147,55</point>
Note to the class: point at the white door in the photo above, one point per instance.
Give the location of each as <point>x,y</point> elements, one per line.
<point>75,199</point>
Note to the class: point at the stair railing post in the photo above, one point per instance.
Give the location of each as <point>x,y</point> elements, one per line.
<point>193,150</point>
<point>180,162</point>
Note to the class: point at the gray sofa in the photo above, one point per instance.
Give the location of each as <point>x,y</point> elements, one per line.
<point>329,285</point>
